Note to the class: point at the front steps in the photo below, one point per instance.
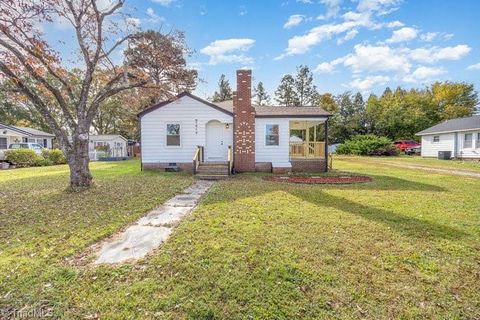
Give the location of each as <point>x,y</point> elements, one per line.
<point>212,171</point>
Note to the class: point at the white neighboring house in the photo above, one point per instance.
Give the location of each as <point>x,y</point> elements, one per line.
<point>114,143</point>
<point>460,136</point>
<point>253,138</point>
<point>14,134</point>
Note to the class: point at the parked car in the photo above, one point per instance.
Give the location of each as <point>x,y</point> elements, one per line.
<point>22,145</point>
<point>414,150</point>
<point>403,145</point>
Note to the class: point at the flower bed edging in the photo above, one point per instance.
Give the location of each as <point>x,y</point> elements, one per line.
<point>319,180</point>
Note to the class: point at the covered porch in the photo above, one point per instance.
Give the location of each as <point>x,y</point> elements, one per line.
<point>308,139</point>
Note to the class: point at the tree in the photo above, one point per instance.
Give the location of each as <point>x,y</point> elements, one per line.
<point>224,92</point>
<point>285,94</point>
<point>70,104</point>
<point>327,102</point>
<point>304,86</point>
<point>454,100</point>
<point>261,96</point>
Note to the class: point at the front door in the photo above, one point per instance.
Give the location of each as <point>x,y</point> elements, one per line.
<point>216,148</point>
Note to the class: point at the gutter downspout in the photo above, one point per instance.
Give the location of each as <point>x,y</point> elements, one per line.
<point>455,145</point>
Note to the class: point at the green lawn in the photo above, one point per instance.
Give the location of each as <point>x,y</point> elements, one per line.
<point>469,165</point>
<point>405,246</point>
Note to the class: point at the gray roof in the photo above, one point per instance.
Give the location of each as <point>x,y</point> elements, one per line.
<point>35,132</point>
<point>28,131</point>
<point>459,124</point>
<point>279,111</point>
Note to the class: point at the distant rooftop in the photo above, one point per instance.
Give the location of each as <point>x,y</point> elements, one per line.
<point>459,124</point>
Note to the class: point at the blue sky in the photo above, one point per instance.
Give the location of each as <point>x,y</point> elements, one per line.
<point>358,45</point>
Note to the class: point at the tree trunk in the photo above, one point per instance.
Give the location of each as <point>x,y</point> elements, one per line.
<point>78,160</point>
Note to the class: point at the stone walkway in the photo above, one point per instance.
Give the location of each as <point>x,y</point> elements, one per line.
<point>153,229</point>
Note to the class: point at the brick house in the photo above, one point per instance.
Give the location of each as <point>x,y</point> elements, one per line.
<point>190,133</point>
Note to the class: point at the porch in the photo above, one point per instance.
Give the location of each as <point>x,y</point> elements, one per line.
<point>308,140</point>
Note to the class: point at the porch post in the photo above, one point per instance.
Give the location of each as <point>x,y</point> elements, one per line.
<point>326,145</point>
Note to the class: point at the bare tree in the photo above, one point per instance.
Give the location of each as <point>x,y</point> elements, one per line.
<point>69,104</point>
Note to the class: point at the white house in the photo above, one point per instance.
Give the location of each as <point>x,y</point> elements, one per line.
<point>188,132</point>
<point>460,136</point>
<point>14,134</point>
<point>107,145</point>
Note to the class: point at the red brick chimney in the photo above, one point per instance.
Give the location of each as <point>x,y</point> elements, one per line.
<point>244,124</point>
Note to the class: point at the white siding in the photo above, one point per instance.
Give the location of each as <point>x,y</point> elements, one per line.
<point>192,116</point>
<point>468,153</point>
<point>430,148</point>
<point>277,155</point>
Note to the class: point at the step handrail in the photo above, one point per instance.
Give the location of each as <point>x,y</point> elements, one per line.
<point>230,160</point>
<point>197,158</point>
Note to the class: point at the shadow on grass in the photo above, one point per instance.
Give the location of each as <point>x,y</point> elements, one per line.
<point>315,194</point>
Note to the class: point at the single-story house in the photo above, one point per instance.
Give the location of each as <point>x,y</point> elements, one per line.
<point>13,134</point>
<point>107,145</point>
<point>460,136</point>
<point>176,132</point>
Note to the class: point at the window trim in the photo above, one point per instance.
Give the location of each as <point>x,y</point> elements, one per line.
<point>6,142</point>
<point>179,135</point>
<point>477,142</point>
<point>265,135</point>
<point>471,140</point>
<point>438,141</point>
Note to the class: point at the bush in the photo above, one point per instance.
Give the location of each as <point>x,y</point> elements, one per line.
<point>55,156</point>
<point>21,158</point>
<point>42,162</point>
<point>368,145</point>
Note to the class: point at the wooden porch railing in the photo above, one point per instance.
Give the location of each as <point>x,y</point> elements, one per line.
<point>198,158</point>
<point>230,160</point>
<point>307,150</point>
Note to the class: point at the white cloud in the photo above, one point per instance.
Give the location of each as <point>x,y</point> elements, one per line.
<point>349,36</point>
<point>333,8</point>
<point>403,34</point>
<point>475,66</point>
<point>434,54</point>
<point>325,67</point>
<point>394,24</point>
<point>293,20</point>
<point>422,74</point>
<point>229,51</point>
<point>165,3</point>
<point>153,17</point>
<point>381,7</point>
<point>135,22</point>
<point>368,82</point>
<point>376,58</point>
<point>305,1</point>
<point>428,36</point>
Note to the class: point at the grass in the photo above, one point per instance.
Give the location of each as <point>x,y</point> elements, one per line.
<point>404,246</point>
<point>468,165</point>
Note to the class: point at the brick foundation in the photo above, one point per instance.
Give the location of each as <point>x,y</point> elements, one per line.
<point>161,166</point>
<point>317,165</point>
<point>281,170</point>
<point>244,124</point>
<point>263,167</point>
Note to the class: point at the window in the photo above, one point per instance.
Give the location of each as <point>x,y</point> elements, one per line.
<point>271,135</point>
<point>436,138</point>
<point>477,144</point>
<point>467,140</point>
<point>173,134</point>
<point>3,143</point>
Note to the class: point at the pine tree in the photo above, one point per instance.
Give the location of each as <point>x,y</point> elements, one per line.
<point>261,96</point>
<point>224,91</point>
<point>304,87</point>
<point>285,94</point>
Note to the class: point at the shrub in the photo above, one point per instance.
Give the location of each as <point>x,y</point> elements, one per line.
<point>55,156</point>
<point>42,162</point>
<point>21,158</point>
<point>368,145</point>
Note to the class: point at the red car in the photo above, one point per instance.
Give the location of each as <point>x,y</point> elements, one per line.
<point>403,145</point>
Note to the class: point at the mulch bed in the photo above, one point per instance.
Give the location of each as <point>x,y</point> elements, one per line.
<point>319,180</point>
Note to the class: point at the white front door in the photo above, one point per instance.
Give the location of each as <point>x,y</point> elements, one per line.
<point>216,148</point>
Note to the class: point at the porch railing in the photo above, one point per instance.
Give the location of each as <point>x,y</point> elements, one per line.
<point>198,158</point>
<point>307,150</point>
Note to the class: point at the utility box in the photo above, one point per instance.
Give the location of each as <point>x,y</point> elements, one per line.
<point>444,155</point>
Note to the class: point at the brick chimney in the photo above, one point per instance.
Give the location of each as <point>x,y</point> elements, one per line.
<point>244,124</point>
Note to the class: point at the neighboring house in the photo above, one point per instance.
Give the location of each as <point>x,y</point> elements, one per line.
<point>107,145</point>
<point>262,138</point>
<point>460,136</point>
<point>13,134</point>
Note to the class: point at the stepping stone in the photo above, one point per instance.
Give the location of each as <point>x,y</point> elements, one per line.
<point>134,243</point>
<point>164,215</point>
